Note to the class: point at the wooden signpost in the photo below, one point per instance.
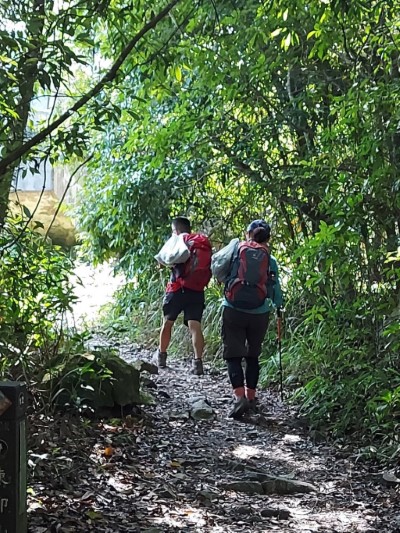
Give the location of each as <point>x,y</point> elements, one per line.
<point>13,517</point>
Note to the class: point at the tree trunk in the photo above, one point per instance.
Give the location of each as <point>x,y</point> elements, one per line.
<point>29,74</point>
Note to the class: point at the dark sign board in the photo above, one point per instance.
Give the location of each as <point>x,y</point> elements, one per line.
<point>13,518</point>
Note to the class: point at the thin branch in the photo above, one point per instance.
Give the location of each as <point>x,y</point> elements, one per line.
<point>65,192</point>
<point>179,27</point>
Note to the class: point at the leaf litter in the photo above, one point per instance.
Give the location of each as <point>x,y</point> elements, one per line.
<point>159,470</point>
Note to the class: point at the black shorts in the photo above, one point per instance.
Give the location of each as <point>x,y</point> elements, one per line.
<point>243,333</point>
<point>192,304</point>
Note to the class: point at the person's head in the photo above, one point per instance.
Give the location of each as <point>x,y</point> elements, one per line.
<point>259,231</point>
<point>180,225</point>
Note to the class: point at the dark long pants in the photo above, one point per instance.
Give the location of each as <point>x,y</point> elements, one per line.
<point>237,376</point>
<point>243,334</point>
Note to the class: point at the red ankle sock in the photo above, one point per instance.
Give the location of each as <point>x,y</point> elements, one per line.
<point>250,394</point>
<point>239,392</point>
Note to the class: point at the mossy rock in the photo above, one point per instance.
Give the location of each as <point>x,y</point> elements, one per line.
<point>96,381</point>
<point>126,381</point>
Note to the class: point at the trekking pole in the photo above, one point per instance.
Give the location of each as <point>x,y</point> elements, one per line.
<point>279,341</point>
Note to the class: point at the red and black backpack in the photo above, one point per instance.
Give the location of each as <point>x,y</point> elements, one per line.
<point>246,287</point>
<point>196,273</point>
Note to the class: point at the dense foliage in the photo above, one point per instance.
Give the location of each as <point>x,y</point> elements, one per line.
<point>36,293</point>
<point>48,57</point>
<point>286,110</point>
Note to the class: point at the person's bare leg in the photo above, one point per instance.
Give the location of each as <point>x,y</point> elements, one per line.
<point>197,338</point>
<point>165,339</point>
<point>198,346</point>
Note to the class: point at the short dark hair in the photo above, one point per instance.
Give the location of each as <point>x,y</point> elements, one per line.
<point>182,224</point>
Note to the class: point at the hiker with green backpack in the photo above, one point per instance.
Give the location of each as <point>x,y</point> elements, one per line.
<point>252,290</point>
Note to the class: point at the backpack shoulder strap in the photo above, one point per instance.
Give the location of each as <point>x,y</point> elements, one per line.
<point>234,263</point>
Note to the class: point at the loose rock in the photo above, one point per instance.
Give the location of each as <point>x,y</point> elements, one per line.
<point>201,411</point>
<point>207,495</point>
<point>287,486</point>
<point>145,366</point>
<point>149,383</point>
<point>281,514</point>
<point>248,487</point>
<point>390,478</point>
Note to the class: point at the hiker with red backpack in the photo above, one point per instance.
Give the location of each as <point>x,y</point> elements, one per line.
<point>252,290</point>
<point>185,293</point>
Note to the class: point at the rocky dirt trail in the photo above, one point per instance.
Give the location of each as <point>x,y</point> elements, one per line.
<point>162,469</point>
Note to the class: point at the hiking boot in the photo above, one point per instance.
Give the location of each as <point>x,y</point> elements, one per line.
<point>253,406</point>
<point>162,359</point>
<point>197,367</point>
<point>240,407</point>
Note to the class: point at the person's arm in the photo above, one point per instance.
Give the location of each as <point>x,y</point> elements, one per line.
<point>274,286</point>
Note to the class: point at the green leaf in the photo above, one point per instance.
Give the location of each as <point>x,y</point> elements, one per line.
<point>286,42</point>
<point>178,73</point>
<point>276,32</point>
<point>26,211</point>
